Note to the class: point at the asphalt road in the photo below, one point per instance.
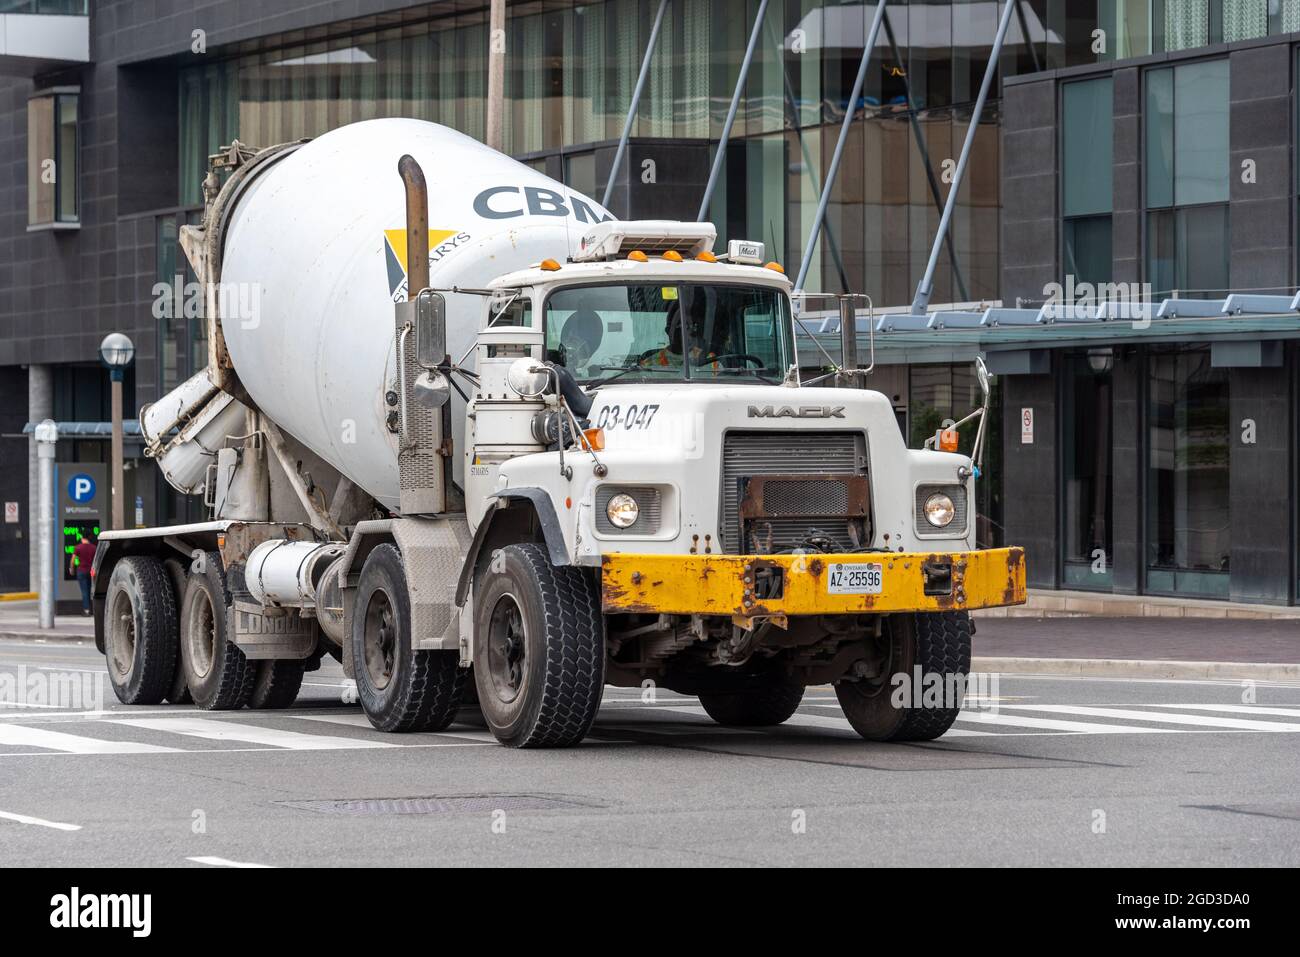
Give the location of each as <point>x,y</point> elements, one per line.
<point>1040,771</point>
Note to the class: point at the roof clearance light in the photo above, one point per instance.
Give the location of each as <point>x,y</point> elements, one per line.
<point>550,265</point>
<point>706,257</point>
<point>775,267</point>
<point>673,256</point>
<point>638,257</point>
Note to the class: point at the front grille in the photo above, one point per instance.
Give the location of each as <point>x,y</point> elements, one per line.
<point>957,528</point>
<point>794,507</point>
<point>648,521</point>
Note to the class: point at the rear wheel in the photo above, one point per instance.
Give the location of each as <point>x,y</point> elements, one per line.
<point>179,692</point>
<point>140,630</point>
<point>400,689</point>
<point>772,703</point>
<point>277,684</point>
<point>539,649</point>
<point>218,675</point>
<point>892,706</point>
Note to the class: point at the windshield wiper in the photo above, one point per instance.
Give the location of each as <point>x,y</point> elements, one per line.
<point>619,372</point>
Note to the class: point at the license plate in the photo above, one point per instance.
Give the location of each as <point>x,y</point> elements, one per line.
<point>846,579</point>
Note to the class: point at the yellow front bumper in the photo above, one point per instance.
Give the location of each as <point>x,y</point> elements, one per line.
<point>725,584</point>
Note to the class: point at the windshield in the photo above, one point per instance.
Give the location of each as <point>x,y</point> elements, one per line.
<point>659,332</point>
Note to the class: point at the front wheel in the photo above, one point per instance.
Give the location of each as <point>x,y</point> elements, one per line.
<point>917,695</point>
<point>401,689</point>
<point>539,649</point>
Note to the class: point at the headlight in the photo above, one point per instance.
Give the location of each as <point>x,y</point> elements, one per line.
<point>939,510</point>
<point>622,511</point>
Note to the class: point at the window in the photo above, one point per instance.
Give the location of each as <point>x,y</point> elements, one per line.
<point>1184,24</point>
<point>664,332</point>
<point>1187,171</point>
<point>1086,440</point>
<point>1087,158</point>
<point>52,160</point>
<point>1188,534</point>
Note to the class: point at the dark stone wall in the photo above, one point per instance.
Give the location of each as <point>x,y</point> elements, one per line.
<point>1261,129</point>
<point>1261,488</point>
<point>1029,189</point>
<point>1030,476</point>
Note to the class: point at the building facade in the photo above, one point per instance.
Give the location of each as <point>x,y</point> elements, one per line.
<point>1111,152</point>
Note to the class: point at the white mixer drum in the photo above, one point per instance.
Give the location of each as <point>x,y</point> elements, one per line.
<point>314,258</point>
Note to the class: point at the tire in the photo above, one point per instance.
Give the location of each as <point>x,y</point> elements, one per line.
<point>939,643</point>
<point>140,630</point>
<point>218,675</point>
<point>771,704</point>
<point>277,684</point>
<point>179,692</point>
<point>400,689</point>
<point>539,649</point>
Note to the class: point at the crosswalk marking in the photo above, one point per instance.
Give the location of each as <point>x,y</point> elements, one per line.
<point>243,732</point>
<point>38,821</point>
<point>1052,724</point>
<point>1129,714</point>
<point>1235,709</point>
<point>214,730</point>
<point>29,737</point>
<point>800,720</point>
<point>222,862</point>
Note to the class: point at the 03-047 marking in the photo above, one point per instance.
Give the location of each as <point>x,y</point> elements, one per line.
<point>637,417</point>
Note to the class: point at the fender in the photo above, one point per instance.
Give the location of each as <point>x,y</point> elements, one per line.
<point>551,530</point>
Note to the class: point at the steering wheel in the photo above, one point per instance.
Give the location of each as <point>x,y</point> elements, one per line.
<point>743,356</point>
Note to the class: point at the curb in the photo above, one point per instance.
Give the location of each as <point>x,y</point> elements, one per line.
<point>38,636</point>
<point>1139,668</point>
<point>19,596</point>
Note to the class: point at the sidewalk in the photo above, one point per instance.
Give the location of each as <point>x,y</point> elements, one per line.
<point>1262,649</point>
<point>20,620</point>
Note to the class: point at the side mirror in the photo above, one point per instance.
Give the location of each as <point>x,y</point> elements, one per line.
<point>982,374</point>
<point>528,378</point>
<point>430,329</point>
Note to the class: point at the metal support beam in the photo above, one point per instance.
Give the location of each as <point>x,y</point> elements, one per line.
<point>636,101</point>
<point>925,289</point>
<point>838,155</point>
<point>721,156</point>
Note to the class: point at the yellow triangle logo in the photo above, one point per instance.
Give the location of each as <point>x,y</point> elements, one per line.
<point>396,239</point>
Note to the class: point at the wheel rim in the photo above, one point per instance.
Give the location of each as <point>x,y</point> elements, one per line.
<point>380,644</point>
<point>507,642</point>
<point>882,683</point>
<point>201,634</point>
<point>121,617</point>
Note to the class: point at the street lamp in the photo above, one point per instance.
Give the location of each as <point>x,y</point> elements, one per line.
<point>47,439</point>
<point>117,351</point>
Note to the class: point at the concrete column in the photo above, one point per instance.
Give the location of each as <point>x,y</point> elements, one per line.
<point>40,405</point>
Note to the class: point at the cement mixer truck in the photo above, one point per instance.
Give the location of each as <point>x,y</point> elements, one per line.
<point>480,442</point>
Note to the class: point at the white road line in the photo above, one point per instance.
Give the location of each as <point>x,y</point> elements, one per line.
<point>1128,714</point>
<point>25,736</point>
<point>1233,709</point>
<point>222,862</point>
<point>213,730</point>
<point>800,720</point>
<point>361,721</point>
<point>39,821</point>
<point>1051,724</point>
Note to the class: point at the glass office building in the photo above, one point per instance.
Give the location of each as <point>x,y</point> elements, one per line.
<point>1140,147</point>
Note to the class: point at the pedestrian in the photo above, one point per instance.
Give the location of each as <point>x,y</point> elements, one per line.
<point>83,565</point>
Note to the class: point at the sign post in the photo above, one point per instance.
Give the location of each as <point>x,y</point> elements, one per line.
<point>47,437</point>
